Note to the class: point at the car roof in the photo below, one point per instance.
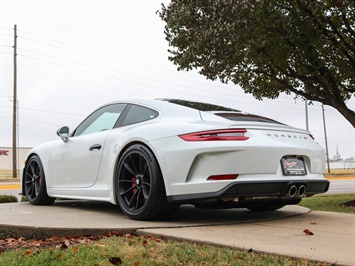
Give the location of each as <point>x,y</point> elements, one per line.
<point>173,108</point>
<point>176,103</point>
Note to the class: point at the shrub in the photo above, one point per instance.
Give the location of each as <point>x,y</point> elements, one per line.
<point>24,199</point>
<point>7,198</point>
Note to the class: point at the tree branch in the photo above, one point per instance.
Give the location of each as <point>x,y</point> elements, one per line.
<point>347,45</point>
<point>347,25</point>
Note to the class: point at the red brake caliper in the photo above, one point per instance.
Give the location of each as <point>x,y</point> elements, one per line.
<point>134,184</point>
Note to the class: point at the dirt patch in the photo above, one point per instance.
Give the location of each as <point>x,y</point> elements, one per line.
<point>60,242</point>
<point>349,204</point>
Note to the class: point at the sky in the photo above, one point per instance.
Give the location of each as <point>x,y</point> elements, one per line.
<point>74,56</point>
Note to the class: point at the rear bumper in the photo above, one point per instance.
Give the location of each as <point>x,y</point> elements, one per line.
<point>259,189</point>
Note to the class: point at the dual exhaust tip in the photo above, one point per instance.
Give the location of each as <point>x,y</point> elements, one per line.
<point>297,191</point>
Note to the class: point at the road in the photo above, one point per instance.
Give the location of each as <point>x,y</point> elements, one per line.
<point>336,187</point>
<point>10,189</point>
<point>341,186</point>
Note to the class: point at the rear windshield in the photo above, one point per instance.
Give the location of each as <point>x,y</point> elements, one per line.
<point>247,117</point>
<point>200,106</point>
<point>230,113</point>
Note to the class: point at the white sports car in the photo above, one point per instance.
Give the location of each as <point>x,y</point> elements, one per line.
<point>149,156</point>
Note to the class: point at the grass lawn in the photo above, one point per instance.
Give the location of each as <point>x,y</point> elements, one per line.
<point>132,250</point>
<point>331,203</point>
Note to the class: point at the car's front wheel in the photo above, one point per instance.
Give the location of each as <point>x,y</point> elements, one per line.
<point>140,187</point>
<point>35,184</point>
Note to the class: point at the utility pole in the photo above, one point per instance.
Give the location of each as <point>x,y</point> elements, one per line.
<point>14,113</point>
<point>326,141</point>
<point>306,108</point>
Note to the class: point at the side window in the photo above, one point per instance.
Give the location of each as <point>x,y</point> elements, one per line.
<point>102,119</point>
<point>138,114</point>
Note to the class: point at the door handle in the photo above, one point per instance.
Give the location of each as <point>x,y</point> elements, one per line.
<point>95,147</point>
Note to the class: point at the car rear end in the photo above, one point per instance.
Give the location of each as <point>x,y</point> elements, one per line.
<point>250,158</point>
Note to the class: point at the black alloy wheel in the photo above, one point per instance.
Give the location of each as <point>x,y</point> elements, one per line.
<point>140,189</point>
<point>35,184</point>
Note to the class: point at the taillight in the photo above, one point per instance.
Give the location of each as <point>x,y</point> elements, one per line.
<point>216,135</point>
<point>222,177</point>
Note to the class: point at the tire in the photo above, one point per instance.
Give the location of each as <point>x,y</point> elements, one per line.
<point>140,189</point>
<point>35,184</point>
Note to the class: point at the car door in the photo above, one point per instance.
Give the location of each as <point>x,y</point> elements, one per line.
<point>76,163</point>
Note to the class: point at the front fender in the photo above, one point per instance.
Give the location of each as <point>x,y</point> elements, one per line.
<point>43,151</point>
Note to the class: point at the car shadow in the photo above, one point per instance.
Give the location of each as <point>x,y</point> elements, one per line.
<point>186,214</point>
<point>79,217</point>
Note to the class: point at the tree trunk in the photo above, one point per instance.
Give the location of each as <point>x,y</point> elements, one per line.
<point>346,112</point>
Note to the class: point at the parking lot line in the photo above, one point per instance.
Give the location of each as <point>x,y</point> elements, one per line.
<point>9,186</point>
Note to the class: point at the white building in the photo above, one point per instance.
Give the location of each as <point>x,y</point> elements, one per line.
<point>6,157</point>
<point>346,164</point>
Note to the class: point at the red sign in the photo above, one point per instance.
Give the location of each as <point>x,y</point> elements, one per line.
<point>4,152</point>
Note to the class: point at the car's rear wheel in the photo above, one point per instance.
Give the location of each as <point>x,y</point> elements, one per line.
<point>35,183</point>
<point>140,187</point>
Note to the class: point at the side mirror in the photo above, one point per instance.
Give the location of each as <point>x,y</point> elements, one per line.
<point>63,133</point>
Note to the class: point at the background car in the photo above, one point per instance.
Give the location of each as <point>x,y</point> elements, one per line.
<point>149,156</point>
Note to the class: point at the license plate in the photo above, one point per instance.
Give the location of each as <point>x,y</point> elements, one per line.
<point>293,166</point>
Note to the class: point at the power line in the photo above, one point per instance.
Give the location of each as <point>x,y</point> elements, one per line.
<point>114,71</point>
<point>95,51</point>
<point>111,56</point>
<point>125,73</point>
<point>112,77</point>
<point>109,76</point>
<point>115,62</point>
<point>119,63</point>
<point>148,85</point>
<point>107,60</point>
<point>44,111</point>
<point>6,34</point>
<point>41,122</point>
